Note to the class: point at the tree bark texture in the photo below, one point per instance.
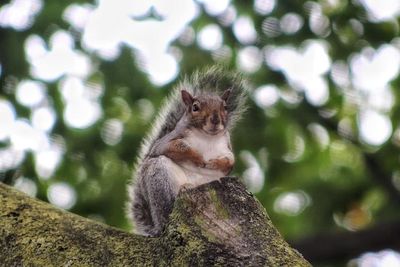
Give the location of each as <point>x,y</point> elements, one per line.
<point>216,224</point>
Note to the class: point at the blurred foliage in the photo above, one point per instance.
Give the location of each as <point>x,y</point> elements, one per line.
<point>335,184</point>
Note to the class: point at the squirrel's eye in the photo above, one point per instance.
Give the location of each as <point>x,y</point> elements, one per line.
<point>195,107</point>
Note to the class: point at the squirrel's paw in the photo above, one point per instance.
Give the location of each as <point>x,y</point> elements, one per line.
<point>223,164</point>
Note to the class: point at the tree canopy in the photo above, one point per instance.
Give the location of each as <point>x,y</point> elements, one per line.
<point>81,82</point>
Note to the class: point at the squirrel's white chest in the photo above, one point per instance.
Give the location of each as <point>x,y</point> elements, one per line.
<point>209,146</point>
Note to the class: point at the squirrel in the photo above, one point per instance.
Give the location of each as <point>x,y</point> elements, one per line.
<point>189,145</point>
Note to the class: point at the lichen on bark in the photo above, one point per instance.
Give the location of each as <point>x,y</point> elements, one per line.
<point>216,224</point>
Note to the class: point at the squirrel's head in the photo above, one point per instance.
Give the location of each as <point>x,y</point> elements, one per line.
<point>207,112</point>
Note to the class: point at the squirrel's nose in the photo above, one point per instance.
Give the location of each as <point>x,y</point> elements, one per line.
<point>215,119</point>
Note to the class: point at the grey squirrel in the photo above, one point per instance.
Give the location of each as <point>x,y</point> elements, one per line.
<point>189,145</point>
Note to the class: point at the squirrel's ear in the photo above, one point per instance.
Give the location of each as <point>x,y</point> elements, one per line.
<point>187,97</point>
<point>226,94</point>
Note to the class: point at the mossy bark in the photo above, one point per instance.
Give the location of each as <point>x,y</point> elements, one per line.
<point>216,224</point>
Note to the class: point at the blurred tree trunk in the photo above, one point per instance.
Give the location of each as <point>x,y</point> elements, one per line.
<point>219,223</point>
<point>345,245</point>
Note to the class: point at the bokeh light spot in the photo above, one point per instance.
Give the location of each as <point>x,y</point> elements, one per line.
<point>266,95</point>
<point>249,59</point>
<point>47,160</point>
<point>43,118</point>
<point>82,113</point>
<point>291,23</point>
<point>62,195</point>
<point>62,58</point>
<point>375,128</point>
<point>243,28</point>
<point>264,7</point>
<point>24,137</point>
<point>19,14</point>
<point>372,70</point>
<point>271,27</point>
<point>30,93</point>
<point>213,7</point>
<point>111,133</point>
<point>385,258</point>
<point>10,158</point>
<point>26,185</point>
<point>253,176</point>
<point>77,15</point>
<point>7,118</point>
<point>292,203</point>
<point>210,37</point>
<point>381,10</point>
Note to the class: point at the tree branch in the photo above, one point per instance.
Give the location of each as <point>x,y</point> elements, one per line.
<point>219,223</point>
<point>346,245</point>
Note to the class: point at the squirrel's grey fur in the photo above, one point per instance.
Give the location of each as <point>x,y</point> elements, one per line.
<point>151,193</point>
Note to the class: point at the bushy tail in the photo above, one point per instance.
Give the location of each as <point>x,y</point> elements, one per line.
<point>214,80</point>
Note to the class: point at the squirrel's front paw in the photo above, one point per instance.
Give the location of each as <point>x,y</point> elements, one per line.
<point>199,162</point>
<point>223,164</point>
